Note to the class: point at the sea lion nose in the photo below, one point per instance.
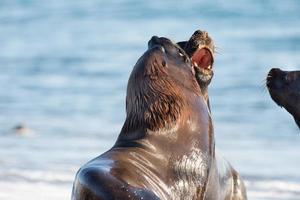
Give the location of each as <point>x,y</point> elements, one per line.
<point>277,78</point>
<point>271,77</point>
<point>156,42</point>
<point>153,41</point>
<point>274,72</point>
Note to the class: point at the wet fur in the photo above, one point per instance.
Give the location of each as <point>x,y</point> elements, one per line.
<point>284,88</point>
<point>153,99</point>
<point>166,147</point>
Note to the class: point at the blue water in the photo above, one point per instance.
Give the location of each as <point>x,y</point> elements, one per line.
<point>64,67</point>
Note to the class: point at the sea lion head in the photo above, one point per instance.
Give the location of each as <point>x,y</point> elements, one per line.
<point>161,84</point>
<point>284,88</point>
<point>200,48</point>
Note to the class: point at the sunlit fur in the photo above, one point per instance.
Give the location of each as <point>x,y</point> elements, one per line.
<point>166,147</point>
<point>154,99</point>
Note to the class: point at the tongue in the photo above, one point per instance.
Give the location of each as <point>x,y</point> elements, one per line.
<point>203,58</point>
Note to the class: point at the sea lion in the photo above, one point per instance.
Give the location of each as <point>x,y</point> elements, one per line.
<point>166,147</point>
<point>200,48</point>
<point>284,88</point>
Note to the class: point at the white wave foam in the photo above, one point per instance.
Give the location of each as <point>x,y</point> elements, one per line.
<point>273,189</point>
<point>25,190</point>
<point>58,185</point>
<point>37,176</point>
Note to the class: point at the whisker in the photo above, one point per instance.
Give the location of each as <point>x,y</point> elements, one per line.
<point>218,50</point>
<point>263,85</point>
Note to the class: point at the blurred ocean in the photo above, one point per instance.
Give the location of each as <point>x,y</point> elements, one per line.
<point>64,67</point>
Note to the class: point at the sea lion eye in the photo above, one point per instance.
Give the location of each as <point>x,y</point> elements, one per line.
<point>183,55</point>
<point>180,52</point>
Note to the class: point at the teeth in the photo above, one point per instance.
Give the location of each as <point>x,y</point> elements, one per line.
<point>195,64</point>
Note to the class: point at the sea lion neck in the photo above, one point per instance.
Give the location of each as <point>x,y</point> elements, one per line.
<point>186,129</point>
<point>204,91</point>
<point>295,111</point>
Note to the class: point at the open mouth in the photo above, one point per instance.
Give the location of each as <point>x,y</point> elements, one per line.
<point>203,59</point>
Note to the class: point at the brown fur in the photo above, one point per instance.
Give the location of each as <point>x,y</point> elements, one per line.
<point>154,100</point>
<point>166,147</point>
